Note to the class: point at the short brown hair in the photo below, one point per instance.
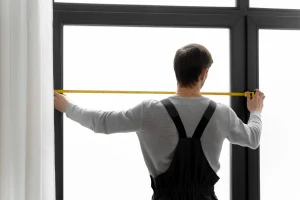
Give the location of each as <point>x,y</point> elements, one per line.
<point>189,62</point>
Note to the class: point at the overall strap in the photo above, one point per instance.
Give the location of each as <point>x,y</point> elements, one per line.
<point>175,117</point>
<point>205,119</point>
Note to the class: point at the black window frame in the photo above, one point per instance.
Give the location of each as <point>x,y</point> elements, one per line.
<point>244,23</point>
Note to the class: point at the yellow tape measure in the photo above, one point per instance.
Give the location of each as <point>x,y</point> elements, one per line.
<point>243,94</point>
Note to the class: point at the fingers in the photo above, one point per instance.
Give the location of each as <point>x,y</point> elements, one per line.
<point>248,95</point>
<point>56,99</point>
<point>260,95</point>
<point>56,94</point>
<point>263,96</point>
<point>257,93</point>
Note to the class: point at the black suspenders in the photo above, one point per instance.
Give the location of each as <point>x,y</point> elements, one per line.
<point>205,119</point>
<point>178,123</point>
<point>175,117</point>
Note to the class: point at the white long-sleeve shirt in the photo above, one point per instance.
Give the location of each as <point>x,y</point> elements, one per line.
<point>157,132</point>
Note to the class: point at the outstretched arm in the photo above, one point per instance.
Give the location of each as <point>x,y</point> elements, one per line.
<point>102,121</point>
<point>247,134</point>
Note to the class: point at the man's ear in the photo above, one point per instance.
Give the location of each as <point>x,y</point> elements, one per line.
<point>203,73</point>
<point>207,69</point>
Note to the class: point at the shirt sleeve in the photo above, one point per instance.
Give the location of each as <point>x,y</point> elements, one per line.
<point>107,121</point>
<point>247,135</point>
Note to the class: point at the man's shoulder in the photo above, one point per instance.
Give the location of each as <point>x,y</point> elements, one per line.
<point>223,106</point>
<point>151,102</point>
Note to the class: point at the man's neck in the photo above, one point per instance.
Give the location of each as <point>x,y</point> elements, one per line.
<point>188,92</point>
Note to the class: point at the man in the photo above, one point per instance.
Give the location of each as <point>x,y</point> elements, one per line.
<point>181,136</point>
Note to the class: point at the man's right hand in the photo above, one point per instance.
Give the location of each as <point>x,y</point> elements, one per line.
<point>257,102</point>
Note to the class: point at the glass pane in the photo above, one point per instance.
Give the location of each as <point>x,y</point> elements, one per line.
<point>286,4</point>
<point>212,3</point>
<point>279,79</point>
<point>127,58</point>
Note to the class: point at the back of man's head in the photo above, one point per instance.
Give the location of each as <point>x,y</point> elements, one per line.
<point>189,61</point>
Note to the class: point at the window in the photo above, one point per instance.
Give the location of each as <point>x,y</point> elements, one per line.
<point>286,4</point>
<point>279,79</point>
<point>141,58</point>
<point>210,3</point>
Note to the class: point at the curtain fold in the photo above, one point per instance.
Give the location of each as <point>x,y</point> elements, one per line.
<point>26,100</point>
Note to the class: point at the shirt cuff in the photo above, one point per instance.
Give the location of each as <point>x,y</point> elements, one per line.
<point>255,113</point>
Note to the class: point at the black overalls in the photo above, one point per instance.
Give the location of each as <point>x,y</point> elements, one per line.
<point>189,177</point>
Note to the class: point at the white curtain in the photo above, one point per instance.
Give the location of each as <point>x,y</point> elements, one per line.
<point>26,100</point>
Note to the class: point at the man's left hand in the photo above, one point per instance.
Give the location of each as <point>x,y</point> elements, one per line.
<point>60,102</point>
